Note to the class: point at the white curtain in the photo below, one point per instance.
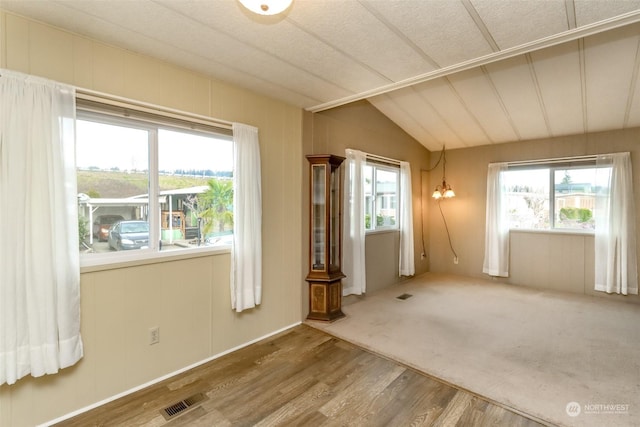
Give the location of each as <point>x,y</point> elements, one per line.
<point>246,258</point>
<point>496,239</point>
<point>353,265</point>
<point>407,263</point>
<point>615,243</point>
<point>39,246</point>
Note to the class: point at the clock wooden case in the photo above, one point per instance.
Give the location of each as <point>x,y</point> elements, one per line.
<point>325,250</point>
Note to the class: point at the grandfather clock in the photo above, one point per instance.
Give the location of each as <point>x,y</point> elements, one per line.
<point>325,251</point>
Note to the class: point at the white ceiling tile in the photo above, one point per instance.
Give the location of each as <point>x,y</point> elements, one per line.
<point>633,119</point>
<point>512,79</point>
<point>590,11</point>
<point>282,40</point>
<point>442,29</point>
<point>512,23</point>
<point>558,72</point>
<point>423,112</point>
<point>359,34</point>
<point>452,109</point>
<point>475,89</point>
<point>409,124</point>
<point>610,59</point>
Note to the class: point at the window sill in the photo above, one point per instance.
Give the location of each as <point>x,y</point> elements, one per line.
<point>555,232</point>
<point>383,231</point>
<point>89,264</point>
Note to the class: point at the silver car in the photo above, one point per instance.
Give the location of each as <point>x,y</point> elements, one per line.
<point>129,235</point>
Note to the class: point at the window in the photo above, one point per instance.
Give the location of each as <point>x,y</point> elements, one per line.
<point>552,197</point>
<point>149,186</point>
<point>381,191</point>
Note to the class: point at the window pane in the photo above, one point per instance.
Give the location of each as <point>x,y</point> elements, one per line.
<point>575,198</point>
<point>386,194</point>
<point>528,198</point>
<point>113,183</point>
<point>368,198</point>
<point>196,189</point>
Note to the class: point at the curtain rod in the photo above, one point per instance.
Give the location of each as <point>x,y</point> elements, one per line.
<point>382,159</point>
<point>91,95</point>
<point>554,160</point>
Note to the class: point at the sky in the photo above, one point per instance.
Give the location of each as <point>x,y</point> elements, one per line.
<point>106,146</point>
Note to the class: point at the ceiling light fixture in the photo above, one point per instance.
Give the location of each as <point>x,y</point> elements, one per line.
<point>444,190</point>
<point>266,7</point>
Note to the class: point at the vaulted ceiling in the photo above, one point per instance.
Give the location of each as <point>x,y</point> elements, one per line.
<point>458,73</point>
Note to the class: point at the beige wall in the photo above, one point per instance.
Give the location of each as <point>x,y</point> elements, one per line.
<point>187,298</point>
<point>361,126</point>
<point>546,260</point>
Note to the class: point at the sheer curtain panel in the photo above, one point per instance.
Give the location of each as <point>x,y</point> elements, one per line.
<point>406,263</point>
<point>246,258</point>
<point>39,247</point>
<point>615,244</point>
<point>496,239</point>
<point>353,229</point>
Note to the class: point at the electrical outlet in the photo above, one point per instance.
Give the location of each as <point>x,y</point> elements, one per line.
<point>154,335</point>
<point>455,259</point>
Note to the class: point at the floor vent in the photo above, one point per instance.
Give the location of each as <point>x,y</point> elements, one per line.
<point>404,296</point>
<point>181,407</point>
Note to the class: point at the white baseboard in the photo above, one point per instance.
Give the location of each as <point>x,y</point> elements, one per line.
<point>162,378</point>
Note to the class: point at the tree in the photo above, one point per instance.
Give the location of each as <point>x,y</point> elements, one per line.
<point>567,178</point>
<point>83,229</point>
<point>217,202</point>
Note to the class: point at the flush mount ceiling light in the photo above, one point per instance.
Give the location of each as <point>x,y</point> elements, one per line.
<point>444,190</point>
<point>266,7</point>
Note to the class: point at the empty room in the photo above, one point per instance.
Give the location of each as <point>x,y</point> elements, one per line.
<point>319,212</point>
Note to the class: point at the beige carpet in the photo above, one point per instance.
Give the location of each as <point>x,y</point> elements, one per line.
<point>533,350</point>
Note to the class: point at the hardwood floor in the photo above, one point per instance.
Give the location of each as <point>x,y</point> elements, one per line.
<point>303,377</point>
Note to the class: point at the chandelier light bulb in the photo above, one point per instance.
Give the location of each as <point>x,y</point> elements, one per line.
<point>266,7</point>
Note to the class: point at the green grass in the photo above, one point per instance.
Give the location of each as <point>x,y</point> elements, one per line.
<point>107,184</point>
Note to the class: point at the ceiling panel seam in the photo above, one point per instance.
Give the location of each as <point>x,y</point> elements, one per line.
<point>570,35</point>
<point>466,107</point>
<point>402,36</point>
<point>583,85</point>
<point>441,117</point>
<point>487,75</point>
<point>570,8</point>
<point>475,16</point>
<point>267,53</point>
<point>632,89</point>
<point>536,84</point>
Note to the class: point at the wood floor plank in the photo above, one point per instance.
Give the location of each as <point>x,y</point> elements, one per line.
<point>303,377</point>
<point>452,413</point>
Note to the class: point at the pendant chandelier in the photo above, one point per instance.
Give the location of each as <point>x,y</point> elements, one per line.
<point>443,190</point>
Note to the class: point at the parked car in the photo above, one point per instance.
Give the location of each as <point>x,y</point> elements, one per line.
<point>129,235</point>
<point>102,224</point>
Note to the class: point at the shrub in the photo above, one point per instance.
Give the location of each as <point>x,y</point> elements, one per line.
<point>579,214</point>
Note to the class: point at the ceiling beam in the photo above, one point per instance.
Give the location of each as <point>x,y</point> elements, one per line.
<point>566,36</point>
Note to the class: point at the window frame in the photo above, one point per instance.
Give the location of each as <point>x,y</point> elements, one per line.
<point>375,165</point>
<point>553,167</point>
<point>151,123</point>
